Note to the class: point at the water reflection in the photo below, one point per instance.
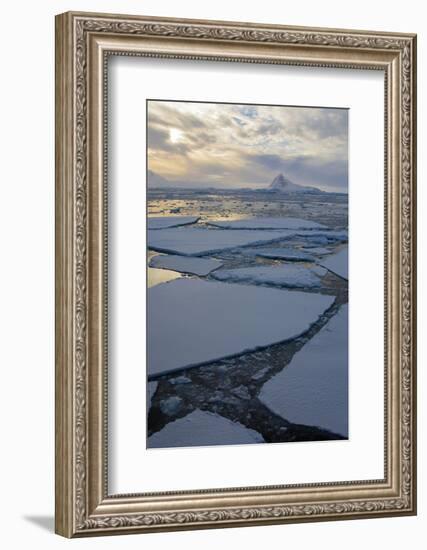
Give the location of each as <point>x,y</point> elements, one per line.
<point>158,276</point>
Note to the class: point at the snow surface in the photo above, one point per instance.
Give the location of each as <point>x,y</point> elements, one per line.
<point>197,241</point>
<point>313,388</point>
<point>183,264</point>
<point>290,254</point>
<point>268,223</point>
<point>201,428</point>
<point>338,263</point>
<point>293,276</point>
<point>192,321</point>
<point>164,222</point>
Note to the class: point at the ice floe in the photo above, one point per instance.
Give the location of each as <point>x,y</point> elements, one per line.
<point>323,237</point>
<point>313,388</point>
<point>290,254</point>
<point>292,276</point>
<point>163,222</point>
<point>319,270</point>
<point>191,321</point>
<point>318,250</point>
<point>268,223</point>
<point>198,241</point>
<point>201,428</point>
<point>338,263</point>
<point>185,264</point>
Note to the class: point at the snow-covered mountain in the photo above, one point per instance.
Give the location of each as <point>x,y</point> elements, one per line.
<point>280,184</point>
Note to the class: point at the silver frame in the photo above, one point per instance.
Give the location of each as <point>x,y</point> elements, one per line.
<point>83,43</point>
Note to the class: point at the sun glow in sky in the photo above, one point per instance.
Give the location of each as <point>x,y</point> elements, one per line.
<point>175,135</point>
<point>230,145</point>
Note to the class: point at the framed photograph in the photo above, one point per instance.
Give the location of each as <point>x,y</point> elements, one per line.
<point>235,274</point>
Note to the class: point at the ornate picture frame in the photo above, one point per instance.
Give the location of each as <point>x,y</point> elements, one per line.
<point>84,42</point>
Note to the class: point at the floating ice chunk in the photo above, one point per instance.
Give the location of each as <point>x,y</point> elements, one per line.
<point>201,428</point>
<point>183,264</point>
<point>258,375</point>
<point>292,276</point>
<point>319,270</point>
<point>179,380</point>
<point>242,392</point>
<point>151,387</point>
<point>290,254</point>
<point>313,388</point>
<point>171,405</point>
<point>198,241</point>
<point>319,240</point>
<point>318,250</point>
<point>268,223</point>
<point>338,263</point>
<point>324,237</point>
<point>164,222</point>
<point>191,321</point>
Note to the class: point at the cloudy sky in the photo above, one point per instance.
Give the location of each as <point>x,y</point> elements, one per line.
<point>229,145</point>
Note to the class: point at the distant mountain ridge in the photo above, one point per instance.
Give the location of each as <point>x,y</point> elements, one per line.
<point>280,184</point>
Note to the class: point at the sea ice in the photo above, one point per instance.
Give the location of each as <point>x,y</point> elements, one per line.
<point>323,237</point>
<point>199,241</point>
<point>201,428</point>
<point>171,405</point>
<point>319,270</point>
<point>151,387</point>
<point>338,263</point>
<point>313,388</point>
<point>163,222</point>
<point>290,254</point>
<point>178,380</point>
<point>316,241</point>
<point>191,321</point>
<point>268,223</point>
<point>258,375</point>
<point>292,276</point>
<point>318,250</point>
<point>183,264</point>
<point>241,392</point>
